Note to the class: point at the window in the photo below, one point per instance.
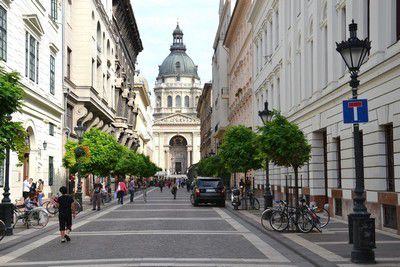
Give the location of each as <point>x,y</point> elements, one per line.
<point>389,216</point>
<point>389,157</point>
<point>31,58</point>
<point>338,207</point>
<point>53,10</point>
<point>69,54</point>
<point>186,101</point>
<point>338,163</point>
<point>52,74</point>
<point>69,117</point>
<point>51,171</point>
<point>158,101</point>
<point>3,34</point>
<point>51,129</point>
<point>178,78</point>
<point>169,101</point>
<point>343,30</point>
<point>178,103</point>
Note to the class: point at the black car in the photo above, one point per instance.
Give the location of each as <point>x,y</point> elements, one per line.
<point>208,190</point>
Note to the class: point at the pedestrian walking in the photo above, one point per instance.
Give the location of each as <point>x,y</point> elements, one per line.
<point>121,191</point>
<point>188,185</point>
<point>131,188</point>
<point>96,195</point>
<point>174,190</point>
<point>26,188</point>
<point>144,189</point>
<point>66,211</point>
<point>161,185</point>
<point>39,192</point>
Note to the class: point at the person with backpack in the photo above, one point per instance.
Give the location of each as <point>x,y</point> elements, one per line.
<point>96,196</point>
<point>66,211</point>
<point>121,191</point>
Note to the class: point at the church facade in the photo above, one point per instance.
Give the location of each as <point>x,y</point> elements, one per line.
<point>176,129</point>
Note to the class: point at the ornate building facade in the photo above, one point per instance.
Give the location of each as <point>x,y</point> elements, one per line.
<point>176,129</point>
<point>204,111</point>
<point>31,44</point>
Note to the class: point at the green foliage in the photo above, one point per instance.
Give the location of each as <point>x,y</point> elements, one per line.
<point>212,166</point>
<point>284,143</point>
<point>238,149</point>
<point>146,167</point>
<point>12,134</point>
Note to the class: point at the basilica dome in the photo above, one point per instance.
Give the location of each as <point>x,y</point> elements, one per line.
<point>177,63</point>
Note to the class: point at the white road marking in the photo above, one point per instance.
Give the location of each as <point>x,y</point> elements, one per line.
<point>160,204</point>
<point>156,232</point>
<point>152,210</point>
<point>24,233</point>
<point>23,250</point>
<point>262,246</point>
<point>320,251</point>
<point>160,219</point>
<point>153,261</point>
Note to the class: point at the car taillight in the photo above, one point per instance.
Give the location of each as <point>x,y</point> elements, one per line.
<point>197,192</point>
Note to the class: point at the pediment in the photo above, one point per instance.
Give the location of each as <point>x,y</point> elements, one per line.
<point>32,22</point>
<point>178,119</point>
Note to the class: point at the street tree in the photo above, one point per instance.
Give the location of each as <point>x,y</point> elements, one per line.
<point>12,134</point>
<point>285,145</point>
<point>238,150</point>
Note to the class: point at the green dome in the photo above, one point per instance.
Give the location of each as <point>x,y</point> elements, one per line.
<point>178,63</point>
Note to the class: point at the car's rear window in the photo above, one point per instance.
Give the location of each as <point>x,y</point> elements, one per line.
<point>210,183</point>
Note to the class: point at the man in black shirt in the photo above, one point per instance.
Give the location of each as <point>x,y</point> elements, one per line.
<point>96,196</point>
<point>66,210</point>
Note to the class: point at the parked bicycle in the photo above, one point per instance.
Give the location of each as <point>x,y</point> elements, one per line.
<point>250,199</point>
<point>36,218</point>
<point>298,217</point>
<point>266,215</point>
<point>2,230</point>
<point>319,216</point>
<point>52,206</point>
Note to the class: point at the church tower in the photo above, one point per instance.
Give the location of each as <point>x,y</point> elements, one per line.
<point>176,128</point>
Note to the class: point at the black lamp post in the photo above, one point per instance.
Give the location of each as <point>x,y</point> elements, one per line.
<point>266,116</point>
<point>79,131</point>
<point>361,227</point>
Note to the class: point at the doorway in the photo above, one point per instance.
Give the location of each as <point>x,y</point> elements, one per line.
<point>178,154</point>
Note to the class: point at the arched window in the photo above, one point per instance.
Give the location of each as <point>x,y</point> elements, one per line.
<point>108,49</point>
<point>186,101</point>
<point>178,65</point>
<point>98,37</point>
<point>178,103</point>
<point>169,100</point>
<point>158,101</point>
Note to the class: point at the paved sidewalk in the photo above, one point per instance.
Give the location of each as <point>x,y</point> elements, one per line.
<point>332,244</point>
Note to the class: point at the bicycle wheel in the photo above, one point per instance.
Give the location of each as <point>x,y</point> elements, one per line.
<point>305,222</point>
<point>51,207</point>
<point>38,219</point>
<point>279,221</point>
<point>2,230</point>
<point>256,204</point>
<point>323,217</point>
<point>265,216</point>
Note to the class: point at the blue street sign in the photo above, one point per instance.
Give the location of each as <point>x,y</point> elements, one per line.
<point>355,111</point>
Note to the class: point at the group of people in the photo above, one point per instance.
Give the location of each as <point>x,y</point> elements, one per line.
<point>33,190</point>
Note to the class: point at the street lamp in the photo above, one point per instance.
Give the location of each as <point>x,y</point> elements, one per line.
<point>361,227</point>
<point>266,116</point>
<point>79,131</point>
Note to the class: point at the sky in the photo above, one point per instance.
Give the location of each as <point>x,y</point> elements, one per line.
<point>156,20</point>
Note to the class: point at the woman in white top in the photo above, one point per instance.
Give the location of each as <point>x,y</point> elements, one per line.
<point>26,188</point>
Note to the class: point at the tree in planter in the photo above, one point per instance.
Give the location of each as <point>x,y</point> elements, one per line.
<point>285,145</point>
<point>238,150</point>
<point>104,153</point>
<point>212,166</point>
<point>12,134</point>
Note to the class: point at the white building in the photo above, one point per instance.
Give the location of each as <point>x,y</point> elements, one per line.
<point>176,128</point>
<point>31,44</point>
<point>220,89</point>
<point>297,69</point>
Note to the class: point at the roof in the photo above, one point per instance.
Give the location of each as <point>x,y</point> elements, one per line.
<point>177,63</point>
